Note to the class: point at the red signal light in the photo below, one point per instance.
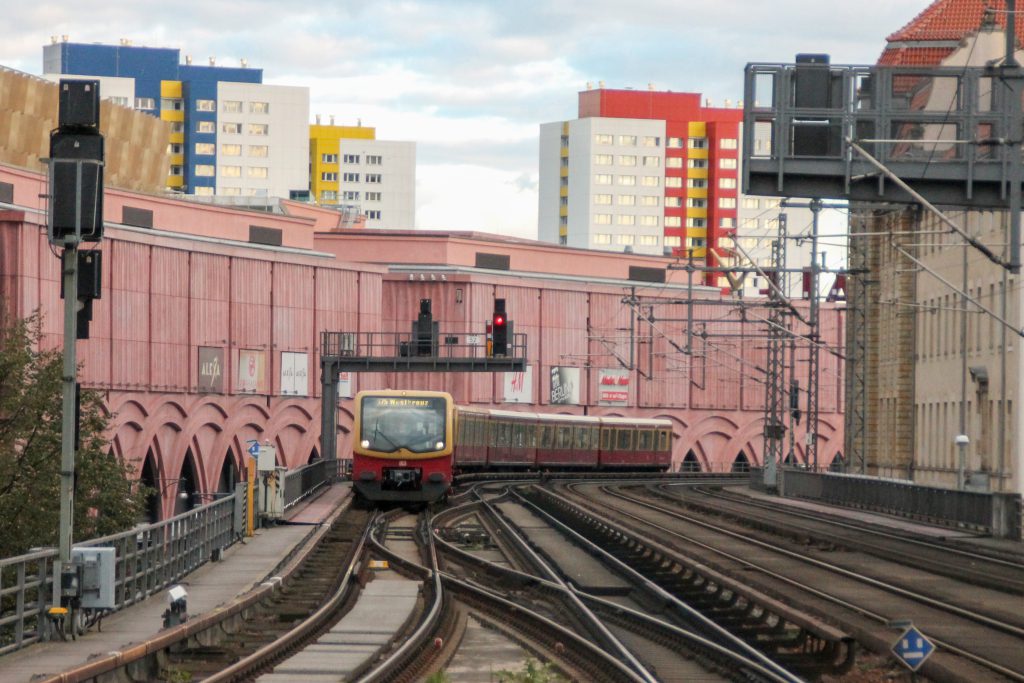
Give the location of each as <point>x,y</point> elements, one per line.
<point>499,320</point>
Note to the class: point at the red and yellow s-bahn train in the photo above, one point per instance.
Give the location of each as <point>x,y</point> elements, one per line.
<point>408,444</point>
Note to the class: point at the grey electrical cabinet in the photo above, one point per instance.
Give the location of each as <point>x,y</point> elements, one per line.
<point>98,567</point>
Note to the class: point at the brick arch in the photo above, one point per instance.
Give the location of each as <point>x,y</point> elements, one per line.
<point>708,439</point>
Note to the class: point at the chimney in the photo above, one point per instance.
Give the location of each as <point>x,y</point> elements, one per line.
<point>600,84</point>
<point>332,119</point>
<point>359,123</point>
<point>188,59</point>
<point>213,61</point>
<point>64,38</point>
<point>318,119</point>
<point>650,86</point>
<point>53,40</point>
<point>590,85</point>
<point>245,62</point>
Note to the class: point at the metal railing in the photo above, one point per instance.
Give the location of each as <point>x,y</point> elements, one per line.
<point>149,558</point>
<point>448,344</point>
<point>994,513</point>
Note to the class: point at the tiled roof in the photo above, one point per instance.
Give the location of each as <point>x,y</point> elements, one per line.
<point>943,20</point>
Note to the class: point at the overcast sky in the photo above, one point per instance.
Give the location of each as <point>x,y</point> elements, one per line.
<point>470,81</point>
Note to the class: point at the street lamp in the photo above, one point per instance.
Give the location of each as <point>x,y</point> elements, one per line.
<point>961,441</point>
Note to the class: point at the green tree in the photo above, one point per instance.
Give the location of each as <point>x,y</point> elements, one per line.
<point>532,672</point>
<point>30,450</point>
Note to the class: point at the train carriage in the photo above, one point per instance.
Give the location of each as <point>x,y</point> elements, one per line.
<point>635,443</point>
<point>567,441</point>
<point>513,439</point>
<point>472,438</point>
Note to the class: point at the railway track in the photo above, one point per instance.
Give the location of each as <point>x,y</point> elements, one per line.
<point>973,644</point>
<point>943,556</point>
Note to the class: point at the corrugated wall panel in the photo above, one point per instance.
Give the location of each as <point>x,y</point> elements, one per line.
<point>755,357</point>
<point>251,318</point>
<point>610,343</point>
<point>292,314</point>
<point>169,315</point>
<point>337,300</point>
<point>563,336</point>
<point>209,285</point>
<point>129,302</point>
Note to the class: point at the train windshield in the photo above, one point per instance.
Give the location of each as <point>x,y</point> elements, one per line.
<point>389,423</point>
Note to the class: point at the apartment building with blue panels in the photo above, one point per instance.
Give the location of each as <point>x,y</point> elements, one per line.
<point>262,153</point>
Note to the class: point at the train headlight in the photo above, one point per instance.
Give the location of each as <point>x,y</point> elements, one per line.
<point>439,445</point>
<point>365,443</point>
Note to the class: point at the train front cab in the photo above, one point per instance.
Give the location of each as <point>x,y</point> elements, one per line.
<point>409,468</point>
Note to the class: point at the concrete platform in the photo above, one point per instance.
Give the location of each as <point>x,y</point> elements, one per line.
<point>244,565</point>
<point>382,609</point>
<point>578,566</point>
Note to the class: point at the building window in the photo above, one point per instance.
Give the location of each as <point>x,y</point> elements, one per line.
<point>256,192</point>
<point>698,143</point>
<point>178,127</point>
<point>258,150</point>
<point>627,160</point>
<point>328,195</point>
<point>673,241</point>
<point>329,177</point>
<point>350,195</point>
<point>231,128</point>
<point>627,180</point>
<point>626,219</point>
<point>726,242</point>
<point>627,200</point>
<point>772,223</point>
<point>602,179</point>
<point>231,171</point>
<point>649,240</point>
<point>728,143</point>
<point>257,172</point>
<point>727,223</point>
<point>563,240</point>
<point>351,158</point>
<point>727,183</point>
<point>206,127</point>
<point>652,141</point>
<point>600,139</point>
<point>373,178</point>
<point>231,150</point>
<point>231,191</point>
<point>259,107</point>
<point>674,202</point>
<point>602,238</point>
<point>204,170</point>
<point>204,191</point>
<point>145,103</point>
<point>652,162</point>
<point>175,148</point>
<point>648,201</point>
<point>673,182</point>
<point>206,105</point>
<point>602,199</point>
<point>602,219</point>
<point>696,203</point>
<point>750,243</point>
<point>258,129</point>
<point>627,140</point>
<point>170,104</point>
<point>649,221</point>
<point>231,106</point>
<point>351,177</point>
<point>751,203</point>
<point>177,170</point>
<point>373,214</point>
<point>696,163</point>
<point>727,202</point>
<point>625,239</point>
<point>206,148</point>
<point>564,162</point>
<point>602,159</point>
<point>675,143</point>
<point>696,183</point>
<point>329,158</point>
<point>727,163</point>
<point>695,242</point>
<point>750,224</point>
<point>120,101</point>
<point>372,196</point>
<point>772,203</point>
<point>696,222</point>
<point>673,222</point>
<point>374,160</point>
<point>673,162</point>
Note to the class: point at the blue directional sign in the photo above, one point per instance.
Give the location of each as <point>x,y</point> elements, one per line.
<point>254,449</point>
<point>913,648</point>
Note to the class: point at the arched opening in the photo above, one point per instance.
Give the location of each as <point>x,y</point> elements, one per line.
<point>741,464</point>
<point>314,455</point>
<point>187,485</point>
<point>228,474</point>
<point>690,463</point>
<point>837,464</point>
<point>148,479</point>
<point>790,460</point>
